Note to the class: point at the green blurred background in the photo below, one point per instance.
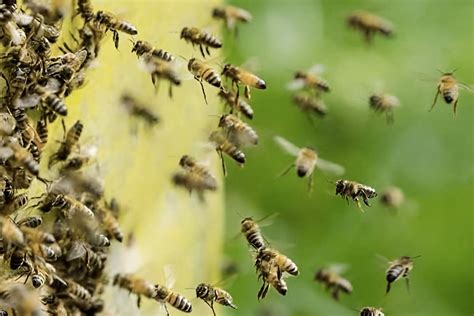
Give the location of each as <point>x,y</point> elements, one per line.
<point>428,155</point>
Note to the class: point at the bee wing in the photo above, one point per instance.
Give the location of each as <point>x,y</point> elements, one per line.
<point>169,276</point>
<point>295,84</point>
<point>28,101</point>
<point>252,64</point>
<point>339,268</point>
<point>77,250</point>
<point>330,167</point>
<point>286,145</point>
<point>5,153</point>
<point>53,85</point>
<point>317,69</point>
<point>466,87</point>
<point>382,261</point>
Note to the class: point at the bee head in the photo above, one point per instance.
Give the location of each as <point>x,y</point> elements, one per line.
<point>136,45</point>
<point>300,75</point>
<point>339,186</point>
<point>202,290</point>
<point>187,161</point>
<point>373,100</point>
<point>184,32</point>
<point>190,63</point>
<point>226,69</point>
<point>218,12</point>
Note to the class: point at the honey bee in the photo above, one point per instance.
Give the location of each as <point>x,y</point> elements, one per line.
<point>30,221</point>
<point>351,189</point>
<point>310,79</point>
<point>160,69</point>
<point>449,87</point>
<point>51,100</point>
<point>17,203</point>
<point>11,234</point>
<point>283,263</point>
<point>399,268</point>
<point>143,47</point>
<point>251,230</point>
<point>306,160</point>
<point>270,274</point>
<point>81,257</point>
<point>223,145</point>
<point>231,15</point>
<point>70,141</point>
<point>241,107</point>
<point>244,77</point>
<point>392,197</point>
<point>203,39</point>
<point>210,294</point>
<point>18,296</point>
<point>70,207</point>
<point>135,285</point>
<point>19,259</point>
<point>371,311</point>
<point>110,223</point>
<point>78,290</point>
<point>309,104</point>
<point>20,156</point>
<point>112,23</point>
<point>37,236</point>
<point>238,132</point>
<point>332,279</point>
<point>369,24</point>
<point>201,71</point>
<point>384,103</point>
<point>85,9</point>
<point>165,295</point>
<point>194,177</point>
<point>42,130</point>
<point>138,110</point>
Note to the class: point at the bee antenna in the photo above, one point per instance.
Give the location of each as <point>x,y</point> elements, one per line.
<point>416,257</point>
<point>132,41</point>
<point>181,56</point>
<point>440,71</point>
<point>452,72</point>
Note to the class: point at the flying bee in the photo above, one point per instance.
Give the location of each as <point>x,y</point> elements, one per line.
<point>252,233</point>
<point>51,100</point>
<point>85,9</point>
<point>165,295</point>
<point>241,107</point>
<point>135,109</point>
<point>110,223</point>
<point>224,145</point>
<point>309,104</point>
<point>160,69</point>
<point>112,23</point>
<point>371,311</point>
<point>332,279</point>
<point>203,72</point>
<point>392,197</point>
<point>449,87</point>
<point>399,268</point>
<point>238,132</point>
<point>30,221</point>
<point>231,15</point>
<point>195,177</point>
<point>210,294</point>
<point>69,143</point>
<point>270,274</point>
<point>369,24</point>
<point>143,47</point>
<point>306,160</point>
<point>310,79</point>
<point>20,156</point>
<point>203,39</point>
<point>244,77</point>
<point>384,103</point>
<point>351,189</point>
<point>18,202</point>
<point>283,263</point>
<point>135,285</point>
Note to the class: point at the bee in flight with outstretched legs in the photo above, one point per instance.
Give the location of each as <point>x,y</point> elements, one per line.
<point>311,80</point>
<point>332,279</point>
<point>203,39</point>
<point>398,269</point>
<point>223,145</point>
<point>210,294</point>
<point>384,103</point>
<point>203,72</point>
<point>351,189</point>
<point>164,294</point>
<point>449,87</point>
<point>306,160</point>
<point>244,77</point>
<point>231,15</point>
<point>369,24</point>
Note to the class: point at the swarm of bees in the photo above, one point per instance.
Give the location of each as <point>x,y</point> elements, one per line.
<point>57,265</point>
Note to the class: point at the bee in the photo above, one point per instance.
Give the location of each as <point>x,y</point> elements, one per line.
<point>210,294</point>
<point>78,290</point>
<point>112,23</point>
<point>7,124</point>
<point>25,302</point>
<point>231,15</point>
<point>85,9</point>
<point>449,87</point>
<point>392,197</point>
<point>399,268</point>
<point>70,141</point>
<point>195,177</point>
<point>160,69</point>
<point>270,274</point>
<point>201,71</point>
<point>203,39</point>
<point>19,155</point>
<point>135,285</point>
<point>242,107</point>
<point>306,160</point>
<point>251,230</point>
<point>332,279</point>
<point>369,24</point>
<point>238,131</point>
<point>384,103</point>
<point>37,236</point>
<point>351,189</point>
<point>30,221</point>
<point>283,263</point>
<point>110,223</point>
<point>309,104</point>
<point>138,110</point>
<point>17,203</point>
<point>44,273</point>
<point>51,100</point>
<point>223,145</point>
<point>310,79</point>
<point>19,259</point>
<point>70,207</point>
<point>244,77</point>
<point>143,47</point>
<point>80,253</point>
<point>371,311</point>
<point>165,295</point>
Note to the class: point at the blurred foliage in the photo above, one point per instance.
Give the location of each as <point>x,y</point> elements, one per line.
<point>428,154</point>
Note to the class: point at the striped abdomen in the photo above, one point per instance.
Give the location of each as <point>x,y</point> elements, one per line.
<point>56,104</point>
<point>223,298</point>
<point>176,300</point>
<point>159,53</point>
<point>125,27</point>
<point>74,134</point>
<point>305,162</point>
<point>209,40</point>
<point>252,233</point>
<point>231,150</point>
<point>212,77</point>
<point>42,130</point>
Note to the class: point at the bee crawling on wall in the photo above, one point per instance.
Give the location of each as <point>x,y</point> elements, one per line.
<point>306,160</point>
<point>356,191</point>
<point>449,88</point>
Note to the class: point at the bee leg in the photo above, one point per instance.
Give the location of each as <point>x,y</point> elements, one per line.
<point>390,119</point>
<point>139,300</point>
<point>407,282</point>
<point>202,51</point>
<point>286,170</point>
<point>211,306</point>
<point>166,310</point>
<point>224,170</point>
<point>207,51</point>
<point>202,88</point>
<point>335,293</point>
<point>310,183</point>
<point>170,91</point>
<point>455,106</point>
<point>247,92</point>
<point>388,288</point>
<point>116,39</point>
<point>435,99</point>
<point>365,199</point>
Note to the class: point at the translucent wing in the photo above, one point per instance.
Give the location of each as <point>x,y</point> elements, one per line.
<point>5,153</point>
<point>339,268</point>
<point>295,84</point>
<point>286,145</point>
<point>330,167</point>
<point>252,64</point>
<point>466,87</point>
<point>28,101</point>
<point>169,276</point>
<point>77,250</point>
<point>317,69</point>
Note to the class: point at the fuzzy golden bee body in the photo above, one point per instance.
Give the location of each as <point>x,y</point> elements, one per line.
<point>244,77</point>
<point>224,145</point>
<point>269,274</point>
<point>309,104</point>
<point>200,38</point>
<point>211,294</point>
<point>252,233</point>
<point>333,281</point>
<point>239,132</point>
<point>203,72</point>
<point>135,285</point>
<point>398,269</point>
<point>143,47</point>
<point>161,70</point>
<point>351,189</point>
<point>194,177</point>
<point>384,103</point>
<point>311,80</point>
<point>111,22</point>
<point>241,107</point>
<point>369,24</point>
<point>231,16</point>
<point>283,263</point>
<point>176,300</point>
<point>448,87</point>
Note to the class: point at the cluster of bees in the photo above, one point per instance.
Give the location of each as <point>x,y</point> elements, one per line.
<point>54,259</point>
